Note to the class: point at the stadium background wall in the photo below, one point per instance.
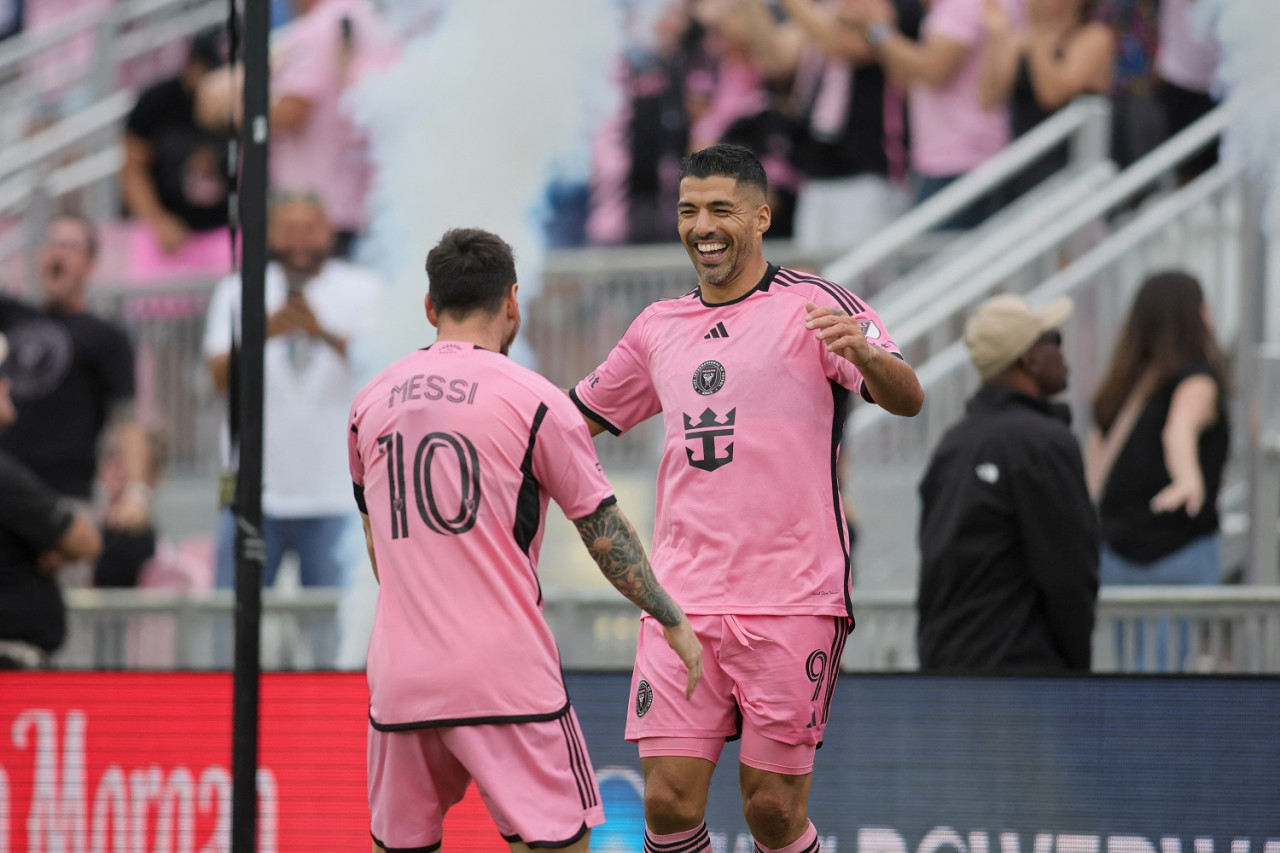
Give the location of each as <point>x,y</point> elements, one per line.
<point>912,764</point>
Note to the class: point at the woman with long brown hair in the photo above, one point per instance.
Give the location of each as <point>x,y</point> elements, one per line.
<point>1160,439</point>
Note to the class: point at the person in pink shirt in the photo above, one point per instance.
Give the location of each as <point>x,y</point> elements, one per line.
<point>327,49</point>
<point>734,87</point>
<point>952,131</point>
<point>753,371</point>
<point>454,452</point>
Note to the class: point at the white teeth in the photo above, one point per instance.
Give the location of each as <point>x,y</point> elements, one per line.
<point>712,247</point>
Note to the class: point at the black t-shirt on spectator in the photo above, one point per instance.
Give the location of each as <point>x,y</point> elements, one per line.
<point>189,164</point>
<point>859,147</point>
<point>32,520</point>
<point>1129,525</point>
<point>67,372</point>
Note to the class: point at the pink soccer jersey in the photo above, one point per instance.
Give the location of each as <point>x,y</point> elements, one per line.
<point>454,453</point>
<point>749,518</point>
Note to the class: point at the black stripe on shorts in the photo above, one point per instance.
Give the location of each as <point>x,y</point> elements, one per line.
<point>582,775</point>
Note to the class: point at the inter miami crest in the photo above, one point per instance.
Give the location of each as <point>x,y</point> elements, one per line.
<point>644,698</point>
<point>708,378</point>
<point>870,330</point>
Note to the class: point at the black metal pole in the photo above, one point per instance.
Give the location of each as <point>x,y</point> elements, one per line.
<point>248,500</point>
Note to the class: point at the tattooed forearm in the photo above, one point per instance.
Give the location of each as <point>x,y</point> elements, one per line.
<point>616,549</point>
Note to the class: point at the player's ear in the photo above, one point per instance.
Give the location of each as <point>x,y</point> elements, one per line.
<point>432,317</point>
<point>764,218</point>
<point>513,304</point>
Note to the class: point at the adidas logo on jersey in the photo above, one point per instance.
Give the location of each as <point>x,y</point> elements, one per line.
<point>717,331</point>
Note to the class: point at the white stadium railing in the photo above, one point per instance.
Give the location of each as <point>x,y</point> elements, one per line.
<point>1083,124</point>
<point>1231,629</point>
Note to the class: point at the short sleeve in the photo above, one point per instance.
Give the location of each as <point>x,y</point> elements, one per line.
<point>221,318</point>
<point>565,461</point>
<point>308,61</point>
<point>30,510</point>
<point>1197,369</point>
<point>957,20</point>
<point>147,114</point>
<point>117,365</point>
<point>840,369</point>
<point>619,393</point>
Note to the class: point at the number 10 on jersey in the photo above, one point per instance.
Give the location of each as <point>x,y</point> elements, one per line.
<point>424,491</point>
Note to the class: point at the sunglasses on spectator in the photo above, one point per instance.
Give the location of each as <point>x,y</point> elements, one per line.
<point>1050,338</point>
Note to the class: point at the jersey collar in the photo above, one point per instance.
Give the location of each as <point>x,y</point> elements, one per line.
<point>762,286</point>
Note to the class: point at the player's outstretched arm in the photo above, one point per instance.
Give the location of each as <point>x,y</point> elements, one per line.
<point>614,546</point>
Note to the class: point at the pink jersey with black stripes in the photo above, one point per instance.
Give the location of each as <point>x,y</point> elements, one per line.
<point>749,518</point>
<point>454,452</point>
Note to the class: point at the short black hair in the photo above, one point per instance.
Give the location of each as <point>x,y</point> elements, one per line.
<point>86,224</point>
<point>727,161</point>
<point>470,269</point>
<point>210,47</point>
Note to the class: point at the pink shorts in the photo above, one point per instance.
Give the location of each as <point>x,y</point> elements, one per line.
<point>536,780</point>
<point>769,679</point>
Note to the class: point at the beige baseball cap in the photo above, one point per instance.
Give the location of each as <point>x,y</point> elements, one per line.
<point>1005,326</point>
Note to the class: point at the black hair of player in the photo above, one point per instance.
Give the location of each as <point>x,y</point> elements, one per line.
<point>469,270</point>
<point>726,161</point>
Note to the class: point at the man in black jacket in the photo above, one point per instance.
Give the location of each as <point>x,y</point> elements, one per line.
<point>38,531</point>
<point>1008,535</point>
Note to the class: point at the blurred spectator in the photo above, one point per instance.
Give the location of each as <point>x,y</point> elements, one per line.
<point>1160,442</point>
<point>316,307</point>
<point>1008,535</point>
<point>314,146</point>
<point>841,109</point>
<point>693,81</point>
<point>1186,62</point>
<point>175,174</point>
<point>636,155</point>
<point>1061,54</point>
<point>733,86</point>
<point>59,78</point>
<point>125,552</point>
<point>38,530</point>
<point>732,99</point>
<point>1137,122</point>
<point>73,379</point>
<point>952,132</point>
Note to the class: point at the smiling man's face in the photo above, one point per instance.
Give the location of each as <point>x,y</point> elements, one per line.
<point>721,224</point>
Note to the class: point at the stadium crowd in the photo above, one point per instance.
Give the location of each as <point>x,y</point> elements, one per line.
<point>858,109</point>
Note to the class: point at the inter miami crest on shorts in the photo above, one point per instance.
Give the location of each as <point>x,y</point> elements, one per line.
<point>644,698</point>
